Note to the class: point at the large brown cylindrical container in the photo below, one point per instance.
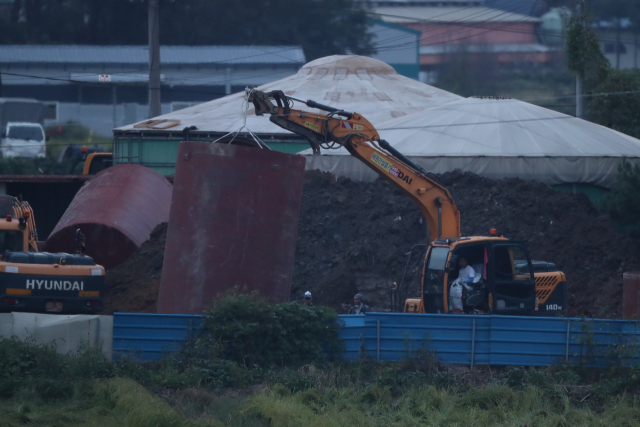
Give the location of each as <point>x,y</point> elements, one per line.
<point>631,295</point>
<point>116,211</point>
<point>233,222</point>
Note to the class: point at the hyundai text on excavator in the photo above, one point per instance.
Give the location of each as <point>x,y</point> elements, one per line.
<point>506,280</point>
<point>41,282</point>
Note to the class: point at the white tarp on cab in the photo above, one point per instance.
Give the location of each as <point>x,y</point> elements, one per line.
<point>497,138</point>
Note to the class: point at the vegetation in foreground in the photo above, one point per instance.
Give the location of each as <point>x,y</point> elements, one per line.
<point>219,380</point>
<point>622,203</point>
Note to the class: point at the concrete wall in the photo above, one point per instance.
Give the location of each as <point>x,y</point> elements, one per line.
<point>65,332</point>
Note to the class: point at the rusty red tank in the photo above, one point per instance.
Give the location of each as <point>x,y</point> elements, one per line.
<point>233,222</point>
<point>116,211</point>
<point>631,295</point>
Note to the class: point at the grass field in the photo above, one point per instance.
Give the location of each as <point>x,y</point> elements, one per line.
<point>123,402</point>
<point>109,403</point>
<point>229,377</point>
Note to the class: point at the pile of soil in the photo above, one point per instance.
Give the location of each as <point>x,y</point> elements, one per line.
<point>557,226</point>
<point>355,237</point>
<point>133,286</point>
<point>363,237</point>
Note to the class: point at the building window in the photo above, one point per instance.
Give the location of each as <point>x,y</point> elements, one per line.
<point>611,48</point>
<point>94,94</point>
<point>51,111</point>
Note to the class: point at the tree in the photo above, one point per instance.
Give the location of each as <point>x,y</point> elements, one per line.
<point>584,55</point>
<point>616,12</point>
<point>618,110</point>
<point>623,203</point>
<point>321,27</point>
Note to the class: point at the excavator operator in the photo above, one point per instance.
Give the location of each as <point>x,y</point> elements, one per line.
<point>466,273</point>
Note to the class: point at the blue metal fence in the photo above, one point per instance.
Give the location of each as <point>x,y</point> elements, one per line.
<point>149,336</point>
<point>456,339</point>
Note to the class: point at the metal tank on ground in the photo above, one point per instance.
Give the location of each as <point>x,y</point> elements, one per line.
<point>233,222</point>
<point>116,211</point>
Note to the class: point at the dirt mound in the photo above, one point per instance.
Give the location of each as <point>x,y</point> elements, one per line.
<point>133,287</point>
<point>558,227</point>
<point>356,236</point>
<point>363,237</point>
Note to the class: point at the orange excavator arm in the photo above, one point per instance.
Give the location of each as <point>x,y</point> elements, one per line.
<point>360,138</point>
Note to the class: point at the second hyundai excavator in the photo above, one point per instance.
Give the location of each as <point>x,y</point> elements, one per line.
<point>41,282</point>
<point>506,280</point>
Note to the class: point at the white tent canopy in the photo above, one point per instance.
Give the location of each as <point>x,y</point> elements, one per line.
<point>352,83</point>
<point>497,138</point>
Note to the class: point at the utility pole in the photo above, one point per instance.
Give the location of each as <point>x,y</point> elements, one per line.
<point>154,59</point>
<point>618,42</point>
<point>0,83</point>
<point>580,74</point>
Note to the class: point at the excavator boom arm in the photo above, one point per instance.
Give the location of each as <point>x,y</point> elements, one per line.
<point>360,138</point>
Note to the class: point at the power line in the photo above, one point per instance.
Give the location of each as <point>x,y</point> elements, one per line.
<point>387,48</point>
<point>222,93</point>
<point>295,47</point>
<point>198,77</point>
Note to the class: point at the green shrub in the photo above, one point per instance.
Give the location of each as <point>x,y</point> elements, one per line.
<point>133,369</point>
<point>622,203</point>
<point>28,366</point>
<point>218,373</point>
<point>618,112</point>
<point>291,380</point>
<point>140,408</point>
<point>42,166</point>
<point>89,362</point>
<point>488,397</point>
<point>522,377</point>
<point>72,130</point>
<point>565,373</point>
<point>247,330</point>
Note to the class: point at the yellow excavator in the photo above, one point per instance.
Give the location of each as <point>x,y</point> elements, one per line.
<point>41,282</point>
<point>504,279</point>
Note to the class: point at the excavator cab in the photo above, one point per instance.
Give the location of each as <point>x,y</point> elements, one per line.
<point>504,279</point>
<point>511,283</point>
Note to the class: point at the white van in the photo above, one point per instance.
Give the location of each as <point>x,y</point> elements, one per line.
<point>21,139</point>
